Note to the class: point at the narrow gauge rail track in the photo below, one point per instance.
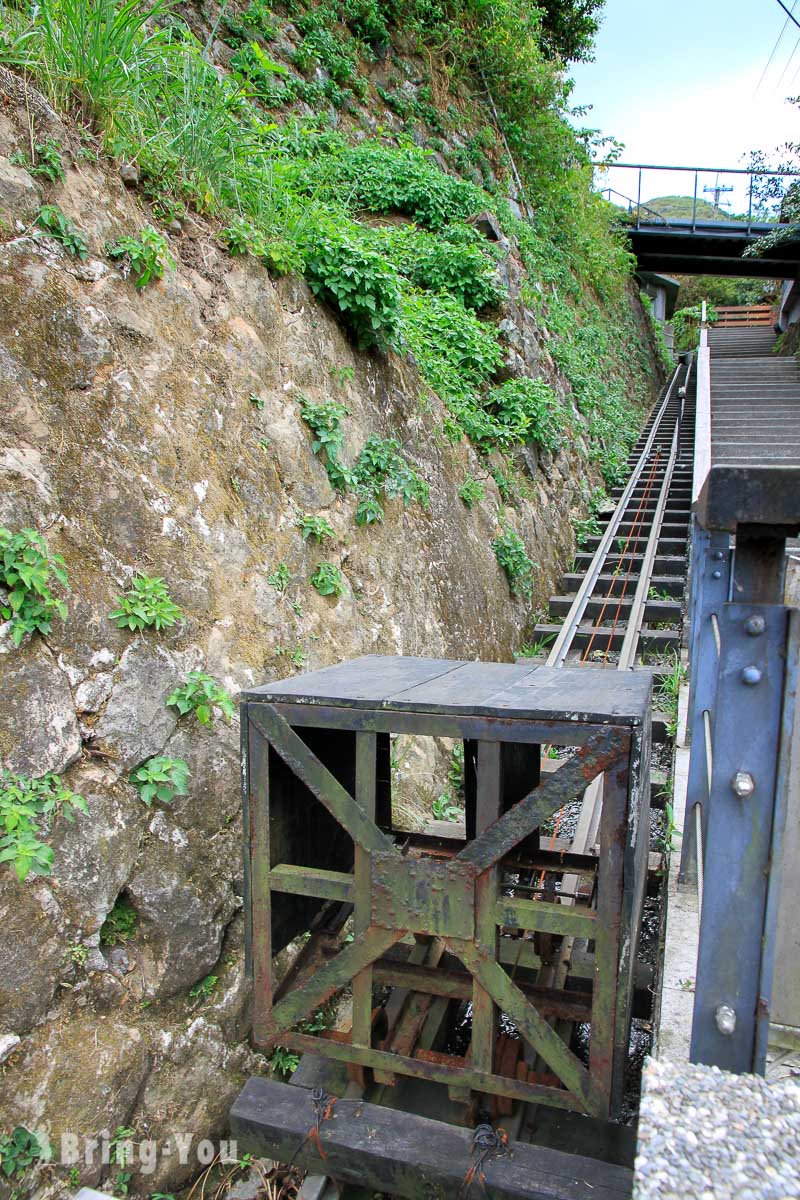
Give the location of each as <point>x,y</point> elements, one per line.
<point>626,586</point>
<point>622,609</point>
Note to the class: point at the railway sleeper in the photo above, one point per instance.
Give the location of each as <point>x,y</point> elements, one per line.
<point>606,637</point>
<point>655,610</point>
<point>614,585</point>
<point>665,564</point>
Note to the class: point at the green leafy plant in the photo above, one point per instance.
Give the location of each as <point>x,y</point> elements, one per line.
<point>57,225</point>
<point>145,605</point>
<point>256,401</point>
<point>328,580</point>
<point>358,283</point>
<point>27,569</point>
<point>528,410</point>
<point>120,924</point>
<point>76,953</point>
<point>585,527</point>
<point>325,422</point>
<point>202,990</point>
<point>19,1150</point>
<point>512,556</point>
<point>161,779</point>
<point>283,1061</point>
<point>382,468</point>
<point>280,578</point>
<point>317,529</point>
<point>199,694</point>
<point>46,163</point>
<point>26,804</point>
<point>445,810</point>
<point>144,257</point>
<point>472,491</point>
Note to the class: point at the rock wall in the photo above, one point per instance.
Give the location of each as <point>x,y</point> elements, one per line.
<point>129,438</point>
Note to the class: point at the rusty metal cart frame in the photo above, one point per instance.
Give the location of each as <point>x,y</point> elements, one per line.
<point>315,752</point>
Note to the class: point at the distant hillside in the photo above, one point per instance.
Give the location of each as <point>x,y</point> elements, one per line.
<point>680,207</point>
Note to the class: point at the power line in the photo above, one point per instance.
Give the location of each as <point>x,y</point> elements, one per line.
<point>790,13</point>
<point>788,63</point>
<point>778,41</point>
<point>772,55</point>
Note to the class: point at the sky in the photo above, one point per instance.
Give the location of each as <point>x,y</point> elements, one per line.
<point>680,83</point>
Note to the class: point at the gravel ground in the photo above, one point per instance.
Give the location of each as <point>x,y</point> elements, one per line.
<point>705,1134</point>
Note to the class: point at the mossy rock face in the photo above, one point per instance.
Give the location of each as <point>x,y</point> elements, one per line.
<point>39,731</point>
<point>31,952</point>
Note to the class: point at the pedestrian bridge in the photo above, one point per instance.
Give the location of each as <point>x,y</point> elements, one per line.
<point>704,239</point>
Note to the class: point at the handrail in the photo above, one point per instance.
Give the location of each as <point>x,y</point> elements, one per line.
<point>702,445</point>
<point>708,170</point>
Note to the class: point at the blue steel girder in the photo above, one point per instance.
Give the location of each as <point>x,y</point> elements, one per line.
<point>746,728</point>
<point>710,573</point>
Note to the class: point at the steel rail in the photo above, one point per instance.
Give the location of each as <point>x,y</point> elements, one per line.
<point>563,642</point>
<point>636,616</point>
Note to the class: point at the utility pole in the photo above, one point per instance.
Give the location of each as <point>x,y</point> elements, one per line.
<point>717,189</point>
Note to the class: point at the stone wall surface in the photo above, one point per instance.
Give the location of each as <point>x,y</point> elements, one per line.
<point>129,439</point>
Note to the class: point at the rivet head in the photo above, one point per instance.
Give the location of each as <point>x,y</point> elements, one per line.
<point>716,574</point>
<point>719,555</point>
<point>755,625</point>
<point>725,1018</point>
<point>743,784</point>
<point>751,676</point>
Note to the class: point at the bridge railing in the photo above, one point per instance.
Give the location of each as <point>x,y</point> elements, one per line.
<point>715,195</point>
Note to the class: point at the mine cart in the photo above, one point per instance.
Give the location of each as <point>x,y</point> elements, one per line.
<point>470,960</point>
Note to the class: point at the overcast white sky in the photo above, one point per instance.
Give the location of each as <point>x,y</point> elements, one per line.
<point>681,83</point>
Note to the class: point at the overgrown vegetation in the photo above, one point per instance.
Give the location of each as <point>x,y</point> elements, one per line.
<point>294,192</point>
<point>27,807</point>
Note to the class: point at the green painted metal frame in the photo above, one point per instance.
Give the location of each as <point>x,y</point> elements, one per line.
<point>453,907</point>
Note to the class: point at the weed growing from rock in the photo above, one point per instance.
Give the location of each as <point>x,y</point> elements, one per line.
<point>27,569</point>
<point>471,491</point>
<point>46,163</point>
<point>328,580</point>
<point>143,258</point>
<point>120,924</point>
<point>27,804</point>
<point>202,990</point>
<point>512,556</point>
<point>316,529</point>
<point>145,605</point>
<point>161,779</point>
<point>280,578</point>
<point>200,694</point>
<point>58,226</point>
